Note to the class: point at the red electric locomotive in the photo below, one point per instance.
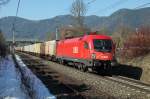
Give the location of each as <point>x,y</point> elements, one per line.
<point>90,51</point>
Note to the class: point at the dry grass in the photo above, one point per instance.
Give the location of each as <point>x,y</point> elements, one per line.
<point>137,44</point>
<point>144,63</point>
<point>135,51</point>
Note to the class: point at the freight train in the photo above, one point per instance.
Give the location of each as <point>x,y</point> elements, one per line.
<point>93,51</point>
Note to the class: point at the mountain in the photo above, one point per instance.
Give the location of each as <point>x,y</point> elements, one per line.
<point>30,29</point>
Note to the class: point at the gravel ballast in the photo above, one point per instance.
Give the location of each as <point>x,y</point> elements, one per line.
<point>98,83</point>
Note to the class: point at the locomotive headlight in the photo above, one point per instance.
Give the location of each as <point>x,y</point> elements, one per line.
<point>93,56</point>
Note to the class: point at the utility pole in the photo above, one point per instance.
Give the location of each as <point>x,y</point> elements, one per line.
<point>56,33</point>
<point>13,40</point>
<point>13,28</point>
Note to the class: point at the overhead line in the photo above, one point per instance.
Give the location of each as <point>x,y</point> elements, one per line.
<point>13,27</point>
<point>142,5</point>
<point>112,5</point>
<point>18,7</point>
<point>17,11</point>
<point>91,2</point>
<point>13,24</point>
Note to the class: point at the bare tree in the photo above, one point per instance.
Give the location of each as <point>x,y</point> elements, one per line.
<point>78,10</point>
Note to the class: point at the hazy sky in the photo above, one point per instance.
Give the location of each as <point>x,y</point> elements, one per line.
<point>42,9</point>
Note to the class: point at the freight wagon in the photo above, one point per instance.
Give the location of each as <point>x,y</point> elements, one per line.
<point>48,50</point>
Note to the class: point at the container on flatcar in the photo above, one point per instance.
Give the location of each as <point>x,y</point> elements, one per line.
<point>18,48</point>
<point>50,48</point>
<point>42,49</point>
<point>37,47</point>
<point>31,48</point>
<point>21,49</point>
<point>26,48</point>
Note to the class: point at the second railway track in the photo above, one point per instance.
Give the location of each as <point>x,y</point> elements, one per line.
<point>137,84</point>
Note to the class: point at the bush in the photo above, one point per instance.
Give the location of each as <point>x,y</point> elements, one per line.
<point>137,44</point>
<point>3,49</point>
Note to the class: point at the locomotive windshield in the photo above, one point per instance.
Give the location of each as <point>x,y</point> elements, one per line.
<point>102,45</point>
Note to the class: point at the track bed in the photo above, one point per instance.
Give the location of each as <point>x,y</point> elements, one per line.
<point>58,83</point>
<point>66,81</point>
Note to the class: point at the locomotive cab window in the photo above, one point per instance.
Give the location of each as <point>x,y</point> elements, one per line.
<point>102,45</point>
<point>86,46</point>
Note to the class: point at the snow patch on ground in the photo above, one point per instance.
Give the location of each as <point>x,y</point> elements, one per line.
<point>10,81</point>
<point>36,86</point>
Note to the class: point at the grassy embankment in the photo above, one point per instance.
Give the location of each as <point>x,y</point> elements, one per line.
<point>136,51</point>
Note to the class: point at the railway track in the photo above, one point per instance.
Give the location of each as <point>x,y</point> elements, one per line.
<point>127,82</point>
<point>136,87</point>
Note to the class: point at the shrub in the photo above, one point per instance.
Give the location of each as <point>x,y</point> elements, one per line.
<point>137,44</point>
<point>3,49</point>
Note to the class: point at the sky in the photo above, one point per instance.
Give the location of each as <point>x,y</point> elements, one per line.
<point>43,9</point>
